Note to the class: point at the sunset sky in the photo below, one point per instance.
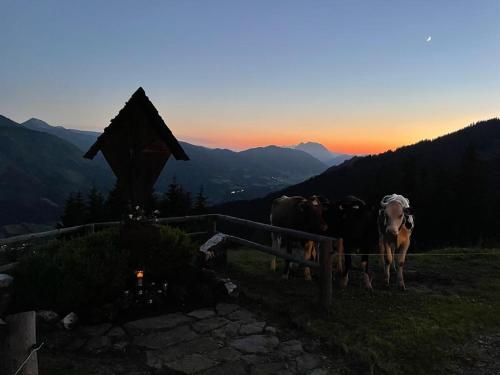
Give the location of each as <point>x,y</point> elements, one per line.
<point>357,76</point>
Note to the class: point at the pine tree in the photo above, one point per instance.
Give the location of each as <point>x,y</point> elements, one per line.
<point>116,204</point>
<point>200,203</point>
<point>75,210</point>
<point>176,202</point>
<point>95,202</point>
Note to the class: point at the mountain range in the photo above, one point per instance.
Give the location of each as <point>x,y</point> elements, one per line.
<point>41,164</point>
<point>452,183</point>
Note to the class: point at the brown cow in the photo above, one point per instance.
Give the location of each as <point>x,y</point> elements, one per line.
<point>301,214</point>
<point>395,224</point>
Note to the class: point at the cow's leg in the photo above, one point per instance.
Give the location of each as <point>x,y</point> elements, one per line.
<point>286,271</point>
<point>308,255</point>
<point>401,263</point>
<point>344,280</point>
<point>388,262</point>
<point>367,279</point>
<point>276,246</point>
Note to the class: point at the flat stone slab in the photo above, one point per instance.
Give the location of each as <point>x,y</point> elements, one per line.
<point>252,328</point>
<point>255,344</point>
<point>230,330</point>
<point>224,355</point>
<point>307,362</point>
<point>229,368</point>
<point>273,368</point>
<point>156,323</point>
<point>291,348</point>
<point>206,325</point>
<point>197,346</point>
<point>191,364</point>
<point>202,313</point>
<point>226,308</point>
<point>159,340</point>
<point>242,315</point>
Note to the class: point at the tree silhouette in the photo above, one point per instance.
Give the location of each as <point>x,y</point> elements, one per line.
<point>75,210</point>
<point>95,203</point>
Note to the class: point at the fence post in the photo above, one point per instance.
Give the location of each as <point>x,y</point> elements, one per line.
<point>325,261</point>
<point>212,225</point>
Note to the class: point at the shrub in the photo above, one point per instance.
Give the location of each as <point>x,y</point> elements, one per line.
<point>77,274</point>
<point>171,257</point>
<point>72,274</point>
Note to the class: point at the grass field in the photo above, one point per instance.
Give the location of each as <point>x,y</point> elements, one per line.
<point>450,300</point>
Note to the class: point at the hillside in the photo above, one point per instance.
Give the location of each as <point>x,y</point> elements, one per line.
<point>37,171</point>
<point>452,182</point>
<point>81,139</point>
<point>227,175</point>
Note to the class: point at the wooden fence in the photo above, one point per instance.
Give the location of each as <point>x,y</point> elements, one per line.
<point>325,249</point>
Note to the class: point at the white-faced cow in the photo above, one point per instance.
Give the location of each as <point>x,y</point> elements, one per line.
<point>301,214</point>
<point>395,225</point>
<point>354,223</point>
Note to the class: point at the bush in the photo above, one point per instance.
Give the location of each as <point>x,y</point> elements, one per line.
<point>171,257</point>
<point>80,273</point>
<point>72,274</point>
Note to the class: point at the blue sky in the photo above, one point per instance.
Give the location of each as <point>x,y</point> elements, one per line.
<point>356,75</point>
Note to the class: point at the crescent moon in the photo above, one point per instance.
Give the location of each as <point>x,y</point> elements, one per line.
<point>429,38</point>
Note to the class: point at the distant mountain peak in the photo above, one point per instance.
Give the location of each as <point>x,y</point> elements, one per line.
<point>321,153</point>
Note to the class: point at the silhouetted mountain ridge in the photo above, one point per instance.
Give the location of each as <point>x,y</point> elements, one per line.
<point>452,182</point>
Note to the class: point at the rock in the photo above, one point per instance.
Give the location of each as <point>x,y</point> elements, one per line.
<point>228,331</point>
<point>242,315</point>
<point>47,316</point>
<point>255,344</point>
<point>226,308</point>
<point>272,368</point>
<point>206,325</point>
<point>253,359</point>
<point>202,313</point>
<point>270,330</point>
<point>95,330</point>
<point>291,348</point>
<point>196,346</point>
<point>307,362</point>
<point>116,332</point>
<point>252,328</point>
<point>159,340</point>
<point>70,320</point>
<point>157,323</point>
<point>319,371</point>
<point>191,364</point>
<point>224,355</point>
<point>120,346</point>
<point>98,344</point>
<point>5,281</point>
<point>229,368</point>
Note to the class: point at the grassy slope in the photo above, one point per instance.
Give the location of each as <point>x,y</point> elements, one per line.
<point>449,300</point>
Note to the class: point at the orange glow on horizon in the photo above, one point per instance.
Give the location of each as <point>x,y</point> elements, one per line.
<point>356,139</point>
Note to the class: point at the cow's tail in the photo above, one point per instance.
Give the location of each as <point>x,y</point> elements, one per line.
<point>340,254</point>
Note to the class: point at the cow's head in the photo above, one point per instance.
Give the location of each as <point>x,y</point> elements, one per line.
<point>393,216</point>
<point>312,210</point>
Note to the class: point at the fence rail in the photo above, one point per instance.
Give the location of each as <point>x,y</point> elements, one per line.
<point>325,257</point>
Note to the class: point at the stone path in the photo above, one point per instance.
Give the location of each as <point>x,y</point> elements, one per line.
<point>225,340</point>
